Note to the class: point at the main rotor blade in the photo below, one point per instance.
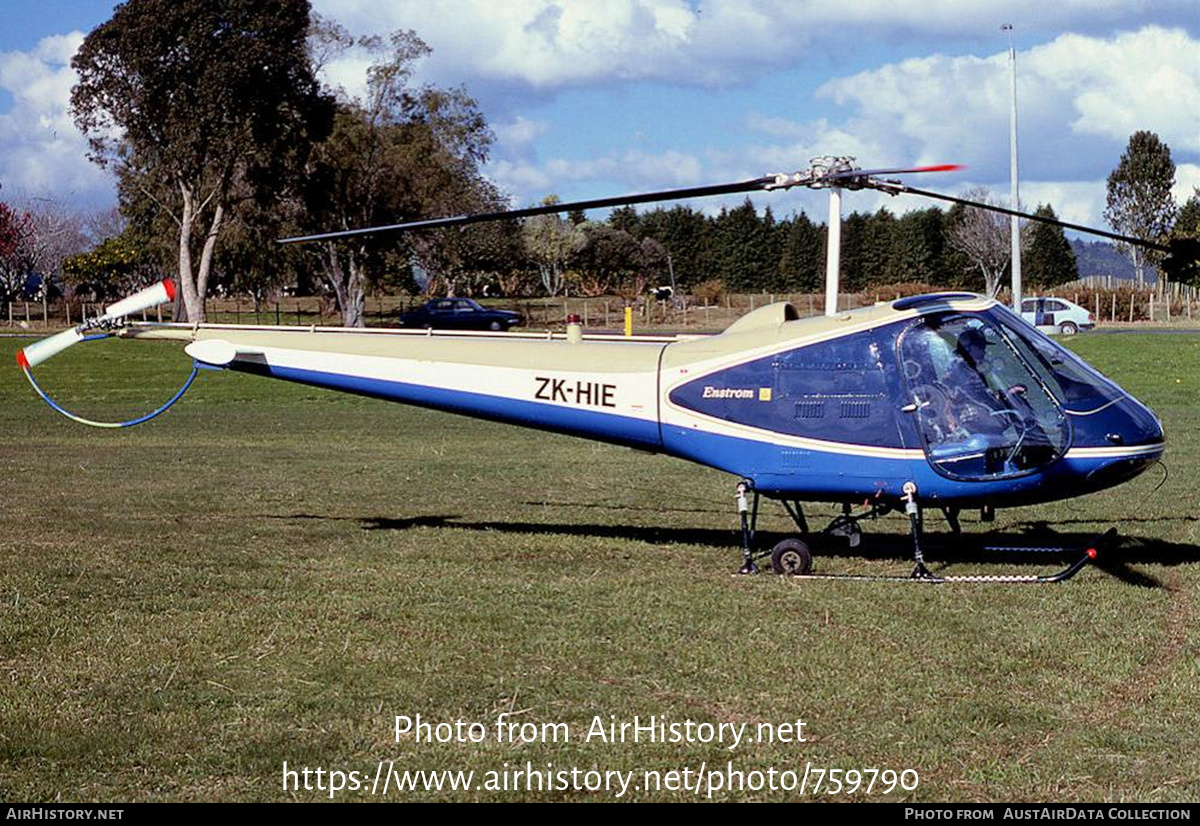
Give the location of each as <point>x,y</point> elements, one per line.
<point>860,173</point>
<point>548,209</point>
<point>895,187</point>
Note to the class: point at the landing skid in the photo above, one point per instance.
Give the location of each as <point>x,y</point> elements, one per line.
<point>793,556</point>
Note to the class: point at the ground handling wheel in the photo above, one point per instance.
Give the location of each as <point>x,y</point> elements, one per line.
<point>791,557</point>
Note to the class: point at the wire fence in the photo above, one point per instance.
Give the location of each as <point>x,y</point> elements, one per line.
<point>1109,301</point>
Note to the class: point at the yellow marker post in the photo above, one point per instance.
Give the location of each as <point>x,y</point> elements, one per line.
<point>629,321</point>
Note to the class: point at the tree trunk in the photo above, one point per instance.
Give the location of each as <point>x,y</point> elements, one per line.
<point>348,283</point>
<point>187,288</point>
<point>206,259</point>
<point>193,284</point>
<point>354,313</point>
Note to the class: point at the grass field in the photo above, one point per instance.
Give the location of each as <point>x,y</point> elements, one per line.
<point>272,573</point>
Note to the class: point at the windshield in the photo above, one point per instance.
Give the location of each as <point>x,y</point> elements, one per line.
<point>982,411</point>
<point>1075,383</point>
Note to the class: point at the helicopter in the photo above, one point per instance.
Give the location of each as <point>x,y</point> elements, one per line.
<point>947,401</point>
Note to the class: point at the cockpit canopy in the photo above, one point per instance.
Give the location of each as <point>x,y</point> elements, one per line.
<point>982,409</point>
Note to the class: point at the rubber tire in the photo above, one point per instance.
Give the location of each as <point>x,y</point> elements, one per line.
<point>791,557</point>
<point>1068,328</point>
<point>496,326</point>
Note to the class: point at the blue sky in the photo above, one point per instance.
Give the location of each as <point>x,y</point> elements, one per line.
<point>600,97</point>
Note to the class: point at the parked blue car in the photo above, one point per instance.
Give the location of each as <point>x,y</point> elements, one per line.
<point>459,314</point>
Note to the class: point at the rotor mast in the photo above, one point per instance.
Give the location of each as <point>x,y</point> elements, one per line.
<point>833,251</point>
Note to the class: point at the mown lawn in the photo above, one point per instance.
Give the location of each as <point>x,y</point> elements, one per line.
<point>272,573</point>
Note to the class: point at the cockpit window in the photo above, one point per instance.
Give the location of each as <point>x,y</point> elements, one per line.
<point>982,411</point>
<point>1078,386</point>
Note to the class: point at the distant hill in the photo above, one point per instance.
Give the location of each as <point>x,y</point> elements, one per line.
<point>1103,258</point>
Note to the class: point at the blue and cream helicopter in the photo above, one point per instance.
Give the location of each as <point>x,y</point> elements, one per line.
<point>947,401</point>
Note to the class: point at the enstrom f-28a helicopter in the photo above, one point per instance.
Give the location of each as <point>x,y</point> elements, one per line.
<point>947,401</point>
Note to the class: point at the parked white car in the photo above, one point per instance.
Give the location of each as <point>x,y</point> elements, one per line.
<point>1058,314</point>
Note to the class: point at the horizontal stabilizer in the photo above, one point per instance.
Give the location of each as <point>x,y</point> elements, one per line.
<point>219,352</point>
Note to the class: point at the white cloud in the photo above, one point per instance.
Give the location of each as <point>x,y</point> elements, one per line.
<point>1187,182</point>
<point>520,131</point>
<point>1080,202</point>
<point>549,44</point>
<point>537,43</point>
<point>1079,99</point>
<point>521,180</point>
<point>41,151</point>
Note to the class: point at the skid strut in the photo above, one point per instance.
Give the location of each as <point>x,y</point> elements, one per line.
<point>749,523</point>
<point>846,525</point>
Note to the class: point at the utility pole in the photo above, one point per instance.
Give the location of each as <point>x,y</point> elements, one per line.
<point>1014,197</point>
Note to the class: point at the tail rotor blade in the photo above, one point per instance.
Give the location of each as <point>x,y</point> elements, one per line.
<point>160,293</point>
<point>45,348</point>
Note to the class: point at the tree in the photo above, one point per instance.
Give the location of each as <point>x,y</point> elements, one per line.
<point>551,241</point>
<point>984,238</point>
<point>199,104</point>
<point>918,247</point>
<point>802,262</point>
<point>744,243</point>
<point>687,237</point>
<point>398,154</point>
<point>1049,260</point>
<point>116,267</point>
<point>1139,195</point>
<point>879,242</point>
<point>626,219</point>
<point>250,261</point>
<point>610,257</point>
<point>16,244</point>
<point>58,232</point>
<point>1183,265</point>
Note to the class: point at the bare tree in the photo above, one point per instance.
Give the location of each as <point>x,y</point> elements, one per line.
<point>58,233</point>
<point>984,237</point>
<point>16,240</point>
<point>104,224</point>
